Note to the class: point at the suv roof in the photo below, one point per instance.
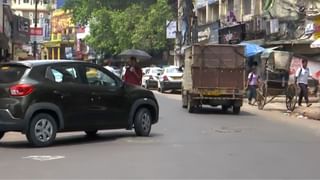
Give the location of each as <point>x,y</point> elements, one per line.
<point>32,63</point>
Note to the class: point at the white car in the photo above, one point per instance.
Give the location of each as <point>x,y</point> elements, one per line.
<point>170,79</point>
<point>114,70</point>
<point>150,77</point>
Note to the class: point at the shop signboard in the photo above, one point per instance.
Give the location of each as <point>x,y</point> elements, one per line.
<point>232,35</point>
<point>171,29</point>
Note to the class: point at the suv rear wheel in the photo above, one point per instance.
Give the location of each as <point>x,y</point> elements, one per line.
<point>142,122</point>
<point>2,134</point>
<point>42,130</point>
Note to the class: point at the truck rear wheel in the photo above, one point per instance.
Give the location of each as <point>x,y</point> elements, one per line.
<point>236,109</point>
<point>191,107</point>
<point>225,108</point>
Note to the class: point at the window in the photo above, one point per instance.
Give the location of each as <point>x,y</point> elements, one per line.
<point>9,74</point>
<point>230,5</point>
<point>62,74</point>
<point>246,7</point>
<point>156,71</point>
<point>26,1</point>
<point>95,77</point>
<point>173,70</point>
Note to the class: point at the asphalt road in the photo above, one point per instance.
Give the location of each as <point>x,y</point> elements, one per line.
<point>209,144</point>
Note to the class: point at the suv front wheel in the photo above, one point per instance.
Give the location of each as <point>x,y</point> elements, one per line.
<point>142,122</point>
<point>42,130</point>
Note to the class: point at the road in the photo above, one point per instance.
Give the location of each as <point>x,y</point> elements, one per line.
<point>254,144</point>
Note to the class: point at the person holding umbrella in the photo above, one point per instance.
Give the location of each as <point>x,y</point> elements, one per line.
<point>133,74</point>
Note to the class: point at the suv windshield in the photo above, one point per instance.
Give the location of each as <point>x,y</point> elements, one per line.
<point>9,73</point>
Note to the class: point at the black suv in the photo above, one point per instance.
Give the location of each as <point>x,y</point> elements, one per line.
<point>43,97</point>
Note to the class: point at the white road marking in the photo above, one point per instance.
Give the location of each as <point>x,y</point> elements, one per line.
<point>43,158</point>
<point>140,141</point>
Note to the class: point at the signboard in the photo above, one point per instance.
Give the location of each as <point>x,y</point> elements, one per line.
<point>36,31</point>
<point>232,35</point>
<point>1,16</point>
<point>209,32</point>
<point>316,27</point>
<point>171,29</point>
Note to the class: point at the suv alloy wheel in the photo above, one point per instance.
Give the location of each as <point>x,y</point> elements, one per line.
<point>142,122</point>
<point>42,130</point>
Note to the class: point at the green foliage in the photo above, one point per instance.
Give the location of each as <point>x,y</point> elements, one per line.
<point>117,26</point>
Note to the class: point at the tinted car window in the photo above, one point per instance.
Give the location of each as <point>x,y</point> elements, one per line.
<point>62,74</point>
<point>96,77</point>
<point>9,73</point>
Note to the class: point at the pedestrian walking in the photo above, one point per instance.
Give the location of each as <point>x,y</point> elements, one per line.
<point>133,74</point>
<point>252,84</point>
<point>301,78</point>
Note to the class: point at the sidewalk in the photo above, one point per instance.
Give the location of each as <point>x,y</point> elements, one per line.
<point>312,112</point>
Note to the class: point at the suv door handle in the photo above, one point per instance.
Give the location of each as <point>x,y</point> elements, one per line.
<point>61,93</point>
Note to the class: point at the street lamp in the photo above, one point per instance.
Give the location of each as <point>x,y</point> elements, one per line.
<point>35,27</point>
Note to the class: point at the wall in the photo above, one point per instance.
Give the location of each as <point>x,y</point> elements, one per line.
<point>27,6</point>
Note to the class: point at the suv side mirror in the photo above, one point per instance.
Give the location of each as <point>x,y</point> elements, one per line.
<point>158,74</point>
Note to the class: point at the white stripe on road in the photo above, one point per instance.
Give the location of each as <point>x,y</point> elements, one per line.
<point>43,158</point>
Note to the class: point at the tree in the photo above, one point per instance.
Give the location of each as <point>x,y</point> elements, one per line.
<point>82,10</point>
<point>137,25</point>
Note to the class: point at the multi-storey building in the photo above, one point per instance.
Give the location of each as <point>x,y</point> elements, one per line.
<point>286,24</point>
<point>27,9</point>
<point>63,37</point>
<point>14,32</point>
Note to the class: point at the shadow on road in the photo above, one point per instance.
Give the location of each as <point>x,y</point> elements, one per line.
<point>79,139</point>
<point>174,92</point>
<point>210,110</point>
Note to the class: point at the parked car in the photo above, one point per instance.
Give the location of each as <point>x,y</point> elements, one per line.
<point>170,79</point>
<point>150,77</point>
<point>40,98</point>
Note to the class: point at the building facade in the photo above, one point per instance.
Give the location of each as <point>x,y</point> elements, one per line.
<point>27,9</point>
<point>63,37</point>
<point>291,25</point>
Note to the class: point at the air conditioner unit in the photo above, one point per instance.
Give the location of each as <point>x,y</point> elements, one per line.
<point>272,26</point>
<point>249,26</point>
<point>247,17</point>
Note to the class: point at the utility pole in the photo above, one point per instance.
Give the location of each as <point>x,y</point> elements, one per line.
<point>35,46</point>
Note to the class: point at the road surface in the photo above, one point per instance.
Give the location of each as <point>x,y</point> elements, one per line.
<point>254,144</point>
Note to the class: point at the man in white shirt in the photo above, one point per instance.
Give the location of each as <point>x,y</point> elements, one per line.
<point>302,75</point>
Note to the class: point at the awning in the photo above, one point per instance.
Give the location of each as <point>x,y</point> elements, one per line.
<point>315,44</point>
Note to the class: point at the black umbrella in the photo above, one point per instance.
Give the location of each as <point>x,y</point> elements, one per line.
<point>139,54</point>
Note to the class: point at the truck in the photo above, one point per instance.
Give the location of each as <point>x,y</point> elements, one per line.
<point>214,74</point>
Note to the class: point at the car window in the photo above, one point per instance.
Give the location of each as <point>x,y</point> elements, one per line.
<point>147,71</point>
<point>9,73</point>
<point>62,74</point>
<point>96,77</point>
<point>173,70</point>
<point>156,71</point>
